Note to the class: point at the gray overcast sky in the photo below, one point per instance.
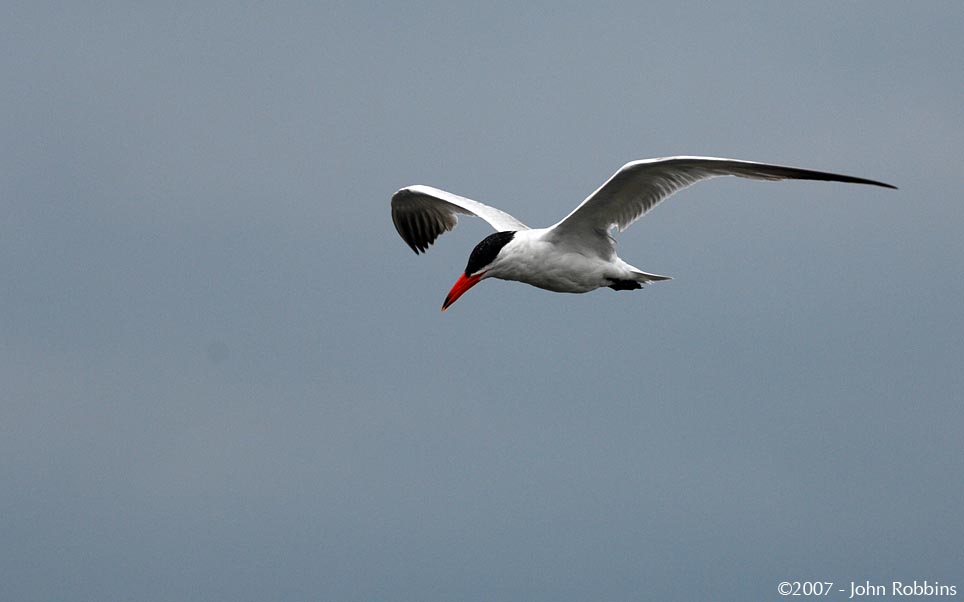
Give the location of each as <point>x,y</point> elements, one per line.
<point>225,377</point>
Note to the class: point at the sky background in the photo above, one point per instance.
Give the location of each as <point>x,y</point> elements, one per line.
<point>225,377</point>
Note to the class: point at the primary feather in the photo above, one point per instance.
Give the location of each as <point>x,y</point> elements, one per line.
<point>421,214</point>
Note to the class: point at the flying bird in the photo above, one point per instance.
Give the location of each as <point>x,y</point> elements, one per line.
<point>577,254</point>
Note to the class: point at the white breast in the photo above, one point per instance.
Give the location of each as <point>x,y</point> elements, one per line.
<point>530,258</point>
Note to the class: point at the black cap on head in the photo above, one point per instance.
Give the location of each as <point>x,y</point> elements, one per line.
<point>485,252</point>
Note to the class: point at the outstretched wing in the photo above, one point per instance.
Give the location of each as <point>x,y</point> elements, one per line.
<point>640,185</point>
<point>421,214</point>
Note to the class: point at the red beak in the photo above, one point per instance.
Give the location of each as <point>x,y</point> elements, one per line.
<point>461,285</point>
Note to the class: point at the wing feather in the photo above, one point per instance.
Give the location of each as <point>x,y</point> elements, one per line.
<point>641,185</point>
<point>421,214</point>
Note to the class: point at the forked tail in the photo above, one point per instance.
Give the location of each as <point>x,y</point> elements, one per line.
<point>644,277</point>
<point>636,282</point>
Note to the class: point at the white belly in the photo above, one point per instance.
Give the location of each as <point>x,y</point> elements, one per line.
<point>544,265</point>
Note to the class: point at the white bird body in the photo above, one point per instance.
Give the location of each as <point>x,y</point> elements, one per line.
<point>534,258</point>
<point>577,254</point>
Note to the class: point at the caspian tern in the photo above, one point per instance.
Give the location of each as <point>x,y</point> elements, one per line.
<point>577,254</point>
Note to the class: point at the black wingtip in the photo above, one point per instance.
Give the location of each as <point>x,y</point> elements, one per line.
<point>856,180</point>
<point>413,245</point>
<point>876,183</point>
